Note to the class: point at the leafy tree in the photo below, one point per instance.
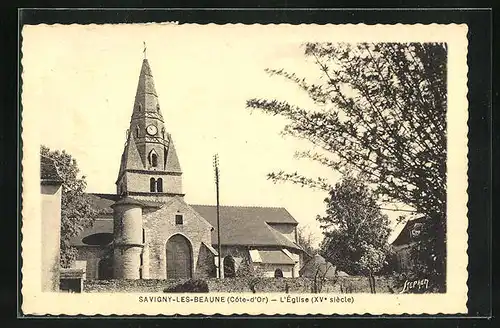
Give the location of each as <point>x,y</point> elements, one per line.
<point>254,274</point>
<point>77,211</point>
<point>355,229</point>
<point>305,240</point>
<point>380,112</point>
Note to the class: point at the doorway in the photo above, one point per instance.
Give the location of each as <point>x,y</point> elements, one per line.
<point>179,258</point>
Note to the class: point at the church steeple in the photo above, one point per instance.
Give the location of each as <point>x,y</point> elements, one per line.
<point>149,164</point>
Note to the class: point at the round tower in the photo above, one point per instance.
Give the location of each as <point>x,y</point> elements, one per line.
<point>128,238</point>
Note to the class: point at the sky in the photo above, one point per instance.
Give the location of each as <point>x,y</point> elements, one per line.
<point>84,78</point>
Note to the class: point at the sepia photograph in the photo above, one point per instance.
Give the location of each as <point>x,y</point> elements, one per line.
<point>217,168</point>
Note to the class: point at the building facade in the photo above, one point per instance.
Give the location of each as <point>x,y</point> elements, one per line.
<point>405,242</point>
<point>147,230</point>
<point>50,184</point>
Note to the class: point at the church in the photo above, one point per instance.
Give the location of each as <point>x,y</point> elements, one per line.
<point>148,231</point>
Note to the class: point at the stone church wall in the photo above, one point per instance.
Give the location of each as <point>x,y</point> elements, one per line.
<point>92,256</point>
<point>160,226</point>
<point>137,182</point>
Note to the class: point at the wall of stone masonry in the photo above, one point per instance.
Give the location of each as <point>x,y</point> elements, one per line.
<point>160,226</point>
<point>139,182</point>
<point>342,285</point>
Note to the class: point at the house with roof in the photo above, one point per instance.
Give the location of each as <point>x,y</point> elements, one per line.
<point>148,231</point>
<point>405,241</point>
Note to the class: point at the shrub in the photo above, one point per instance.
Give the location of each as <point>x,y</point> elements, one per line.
<point>190,286</point>
<point>254,273</point>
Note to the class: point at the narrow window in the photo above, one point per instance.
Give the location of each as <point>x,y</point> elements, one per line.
<point>159,185</point>
<point>143,236</point>
<point>137,131</point>
<point>152,185</point>
<point>154,160</point>
<point>179,219</point>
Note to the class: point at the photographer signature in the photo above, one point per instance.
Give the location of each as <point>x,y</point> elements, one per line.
<point>415,285</point>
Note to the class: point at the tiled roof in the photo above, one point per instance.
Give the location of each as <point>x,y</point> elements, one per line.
<point>241,225</point>
<point>132,201</point>
<point>48,171</point>
<point>275,257</point>
<point>101,225</point>
<point>246,225</point>
<point>404,237</point>
<point>172,164</point>
<point>103,202</point>
<point>131,159</point>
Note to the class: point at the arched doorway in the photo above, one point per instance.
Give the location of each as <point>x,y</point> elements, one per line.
<point>105,269</point>
<point>179,258</point>
<point>278,273</point>
<point>229,271</point>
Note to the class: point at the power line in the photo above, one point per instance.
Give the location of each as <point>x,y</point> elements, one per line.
<point>216,167</point>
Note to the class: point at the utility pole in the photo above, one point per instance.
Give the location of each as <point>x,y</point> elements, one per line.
<point>216,167</point>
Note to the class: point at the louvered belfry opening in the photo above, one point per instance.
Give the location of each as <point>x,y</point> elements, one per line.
<point>179,258</point>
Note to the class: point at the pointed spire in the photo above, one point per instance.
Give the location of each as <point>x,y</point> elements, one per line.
<point>172,161</point>
<point>131,158</point>
<point>146,98</point>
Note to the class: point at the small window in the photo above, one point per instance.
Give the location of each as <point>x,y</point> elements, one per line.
<point>278,273</point>
<point>159,185</point>
<point>154,160</point>
<point>143,237</point>
<point>152,185</point>
<point>137,131</point>
<point>179,219</point>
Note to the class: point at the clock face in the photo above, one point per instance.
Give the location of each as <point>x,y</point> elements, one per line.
<point>151,129</point>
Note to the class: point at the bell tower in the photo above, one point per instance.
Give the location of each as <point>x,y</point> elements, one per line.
<point>149,165</point>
